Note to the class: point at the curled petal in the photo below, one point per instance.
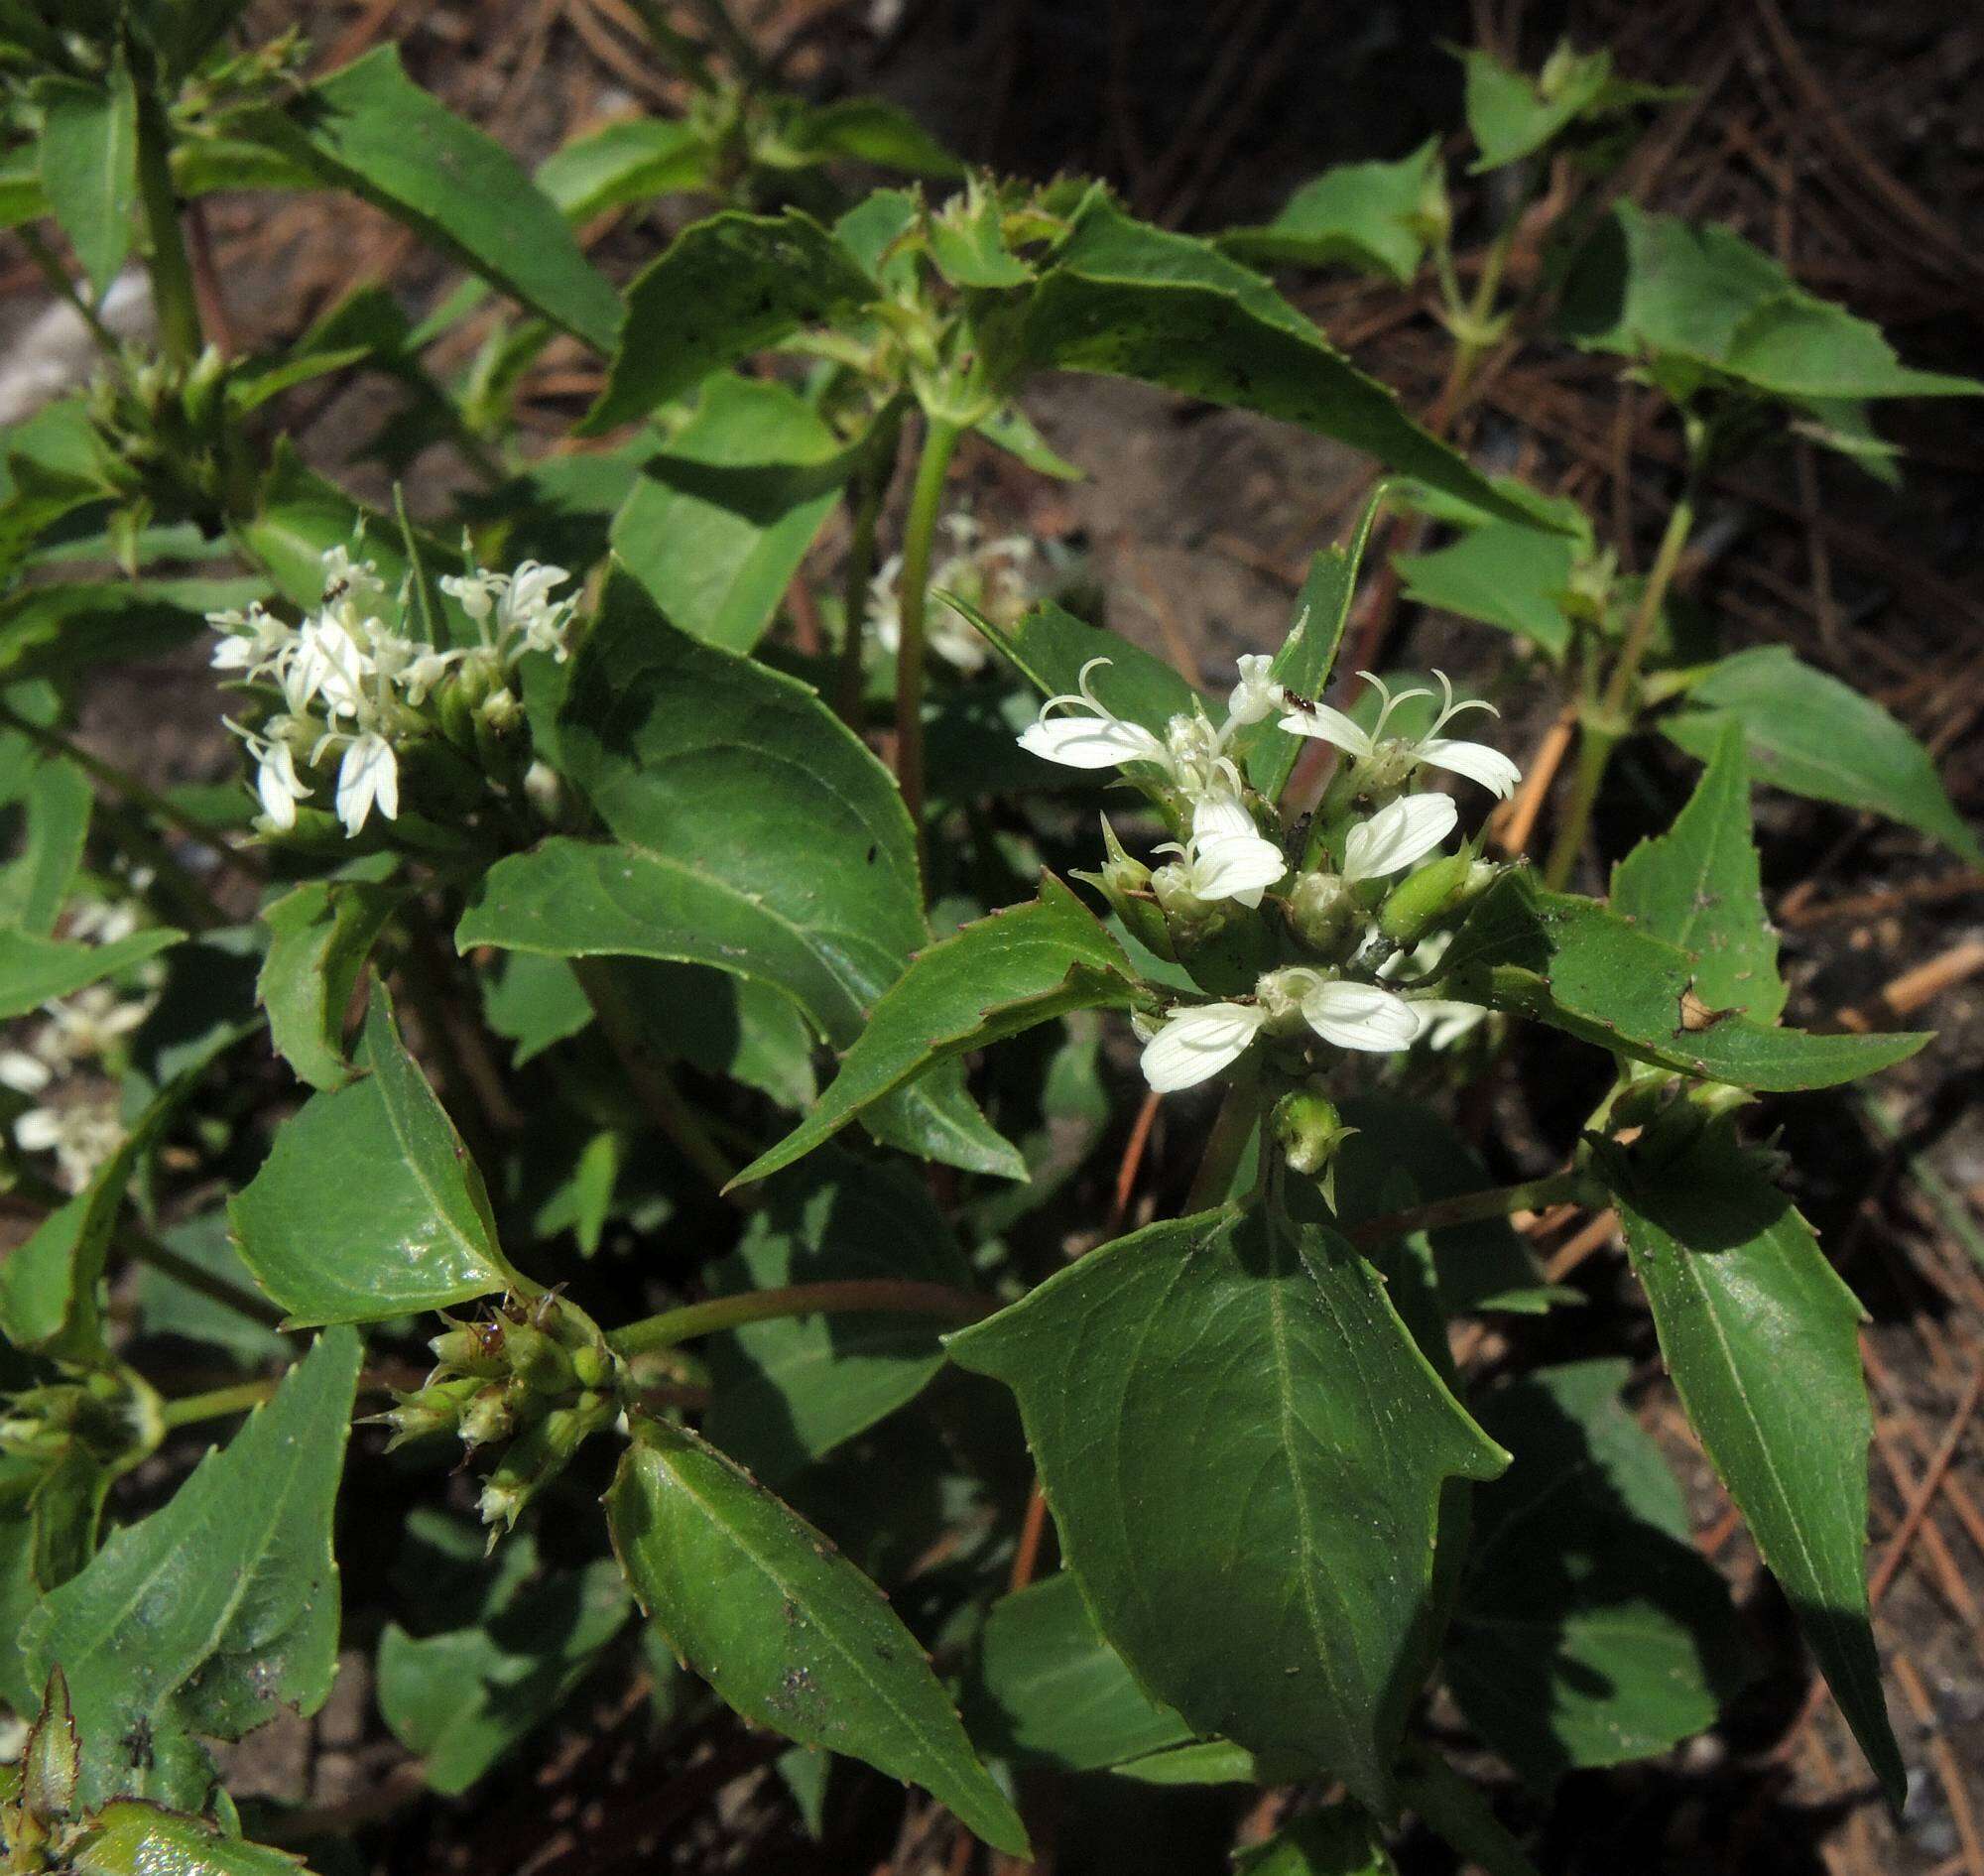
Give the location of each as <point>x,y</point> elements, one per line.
<point>1223,817</point>
<point>1090,742</point>
<point>1360,1016</point>
<point>1331,726</point>
<point>1478,761</point>
<point>1397,835</point>
<point>1197,1044</point>
<point>368,776</point>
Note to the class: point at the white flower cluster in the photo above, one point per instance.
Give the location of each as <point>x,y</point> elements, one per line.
<point>1226,856</point>
<point>353,681</point>
<point>85,1128</point>
<point>1000,577</point>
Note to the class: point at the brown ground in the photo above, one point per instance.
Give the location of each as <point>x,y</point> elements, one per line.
<point>1844,138</point>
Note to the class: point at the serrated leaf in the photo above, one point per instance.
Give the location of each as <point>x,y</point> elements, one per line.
<point>319,935</point>
<point>1502,575</point>
<point>788,1391</point>
<point>1047,1687</point>
<point>1571,963</point>
<point>1762,1338</point>
<point>717,524</point>
<point>1136,301</point>
<point>784,1628</point>
<point>1807,732</point>
<point>89,167</point>
<point>370,129</point>
<point>995,978</point>
<point>755,834</point>
<point>1591,1630</point>
<point>368,1205</point>
<point>727,286</point>
<point>200,1620</point>
<point>1245,1453</point>
<point>133,1838</point>
<point>1365,216</point>
<point>1698,886</point>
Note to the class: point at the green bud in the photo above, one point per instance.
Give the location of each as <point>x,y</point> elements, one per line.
<point>1422,900</point>
<point>1121,872</point>
<point>537,1360</point>
<point>1125,882</point>
<point>437,1408</point>
<point>538,1455</point>
<point>1309,1131</point>
<point>1321,910</point>
<point>491,1415</point>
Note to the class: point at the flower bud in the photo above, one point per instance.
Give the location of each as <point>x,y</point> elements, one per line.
<point>1321,910</point>
<point>489,1416</point>
<point>1422,900</point>
<point>1309,1131</point>
<point>434,1409</point>
<point>1125,882</point>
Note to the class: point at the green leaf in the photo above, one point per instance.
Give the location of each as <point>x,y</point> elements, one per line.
<point>20,196</point>
<point>55,805</point>
<point>1050,1689</point>
<point>1698,886</point>
<point>1366,215</point>
<point>1591,1630</point>
<point>786,1391</point>
<point>717,524</point>
<point>319,935</point>
<point>755,834</point>
<point>69,629</point>
<point>1811,733</point>
<point>1761,1337</point>
<point>1502,575</point>
<point>784,1628</point>
<point>202,1617</point>
<point>464,1697</point>
<point>368,1205</point>
<point>1703,298</point>
<point>629,162</point>
<point>1050,648</point>
<point>370,129</point>
<point>1341,1841</point>
<point>1004,974</point>
<point>1309,653</point>
<point>1510,115</point>
<point>532,1002</point>
<point>135,1838</point>
<point>1569,962</point>
<point>869,130</point>
<point>727,286</point>
<point>169,1307</point>
<point>1205,1762</point>
<point>1244,1451</point>
<point>89,167</point>
<point>1136,301</point>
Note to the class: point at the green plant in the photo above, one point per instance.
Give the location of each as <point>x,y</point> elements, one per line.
<point>566,794</point>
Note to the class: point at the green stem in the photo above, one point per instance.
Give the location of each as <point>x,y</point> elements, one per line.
<point>678,1121</point>
<point>1602,728</point>
<point>1225,1146</point>
<point>1536,1194</point>
<point>872,491</point>
<point>173,293</point>
<point>53,272</point>
<point>880,1296</point>
<point>218,1403</point>
<point>143,1248</point>
<point>919,537</point>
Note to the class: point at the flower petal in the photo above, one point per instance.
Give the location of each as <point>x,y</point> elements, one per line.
<point>1223,817</point>
<point>1197,1044</point>
<point>1478,761</point>
<point>1360,1016</point>
<point>1236,866</point>
<point>1090,742</point>
<point>1331,726</point>
<point>1397,835</point>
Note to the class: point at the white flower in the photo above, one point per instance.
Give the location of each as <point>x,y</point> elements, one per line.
<point>1392,761</point>
<point>1195,1044</point>
<point>1397,835</point>
<point>1099,740</point>
<point>369,775</point>
<point>348,579</point>
<point>276,780</point>
<point>326,662</point>
<point>25,1073</point>
<point>82,1135</point>
<point>253,641</point>
<point>1257,695</point>
<point>1443,1020</point>
<point>1240,866</point>
<point>527,611</point>
<point>89,1024</point>
<point>475,592</point>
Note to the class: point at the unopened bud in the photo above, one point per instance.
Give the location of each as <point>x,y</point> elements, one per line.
<point>489,1416</point>
<point>1321,910</point>
<point>1121,871</point>
<point>1309,1131</point>
<point>1420,902</point>
<point>434,1409</point>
